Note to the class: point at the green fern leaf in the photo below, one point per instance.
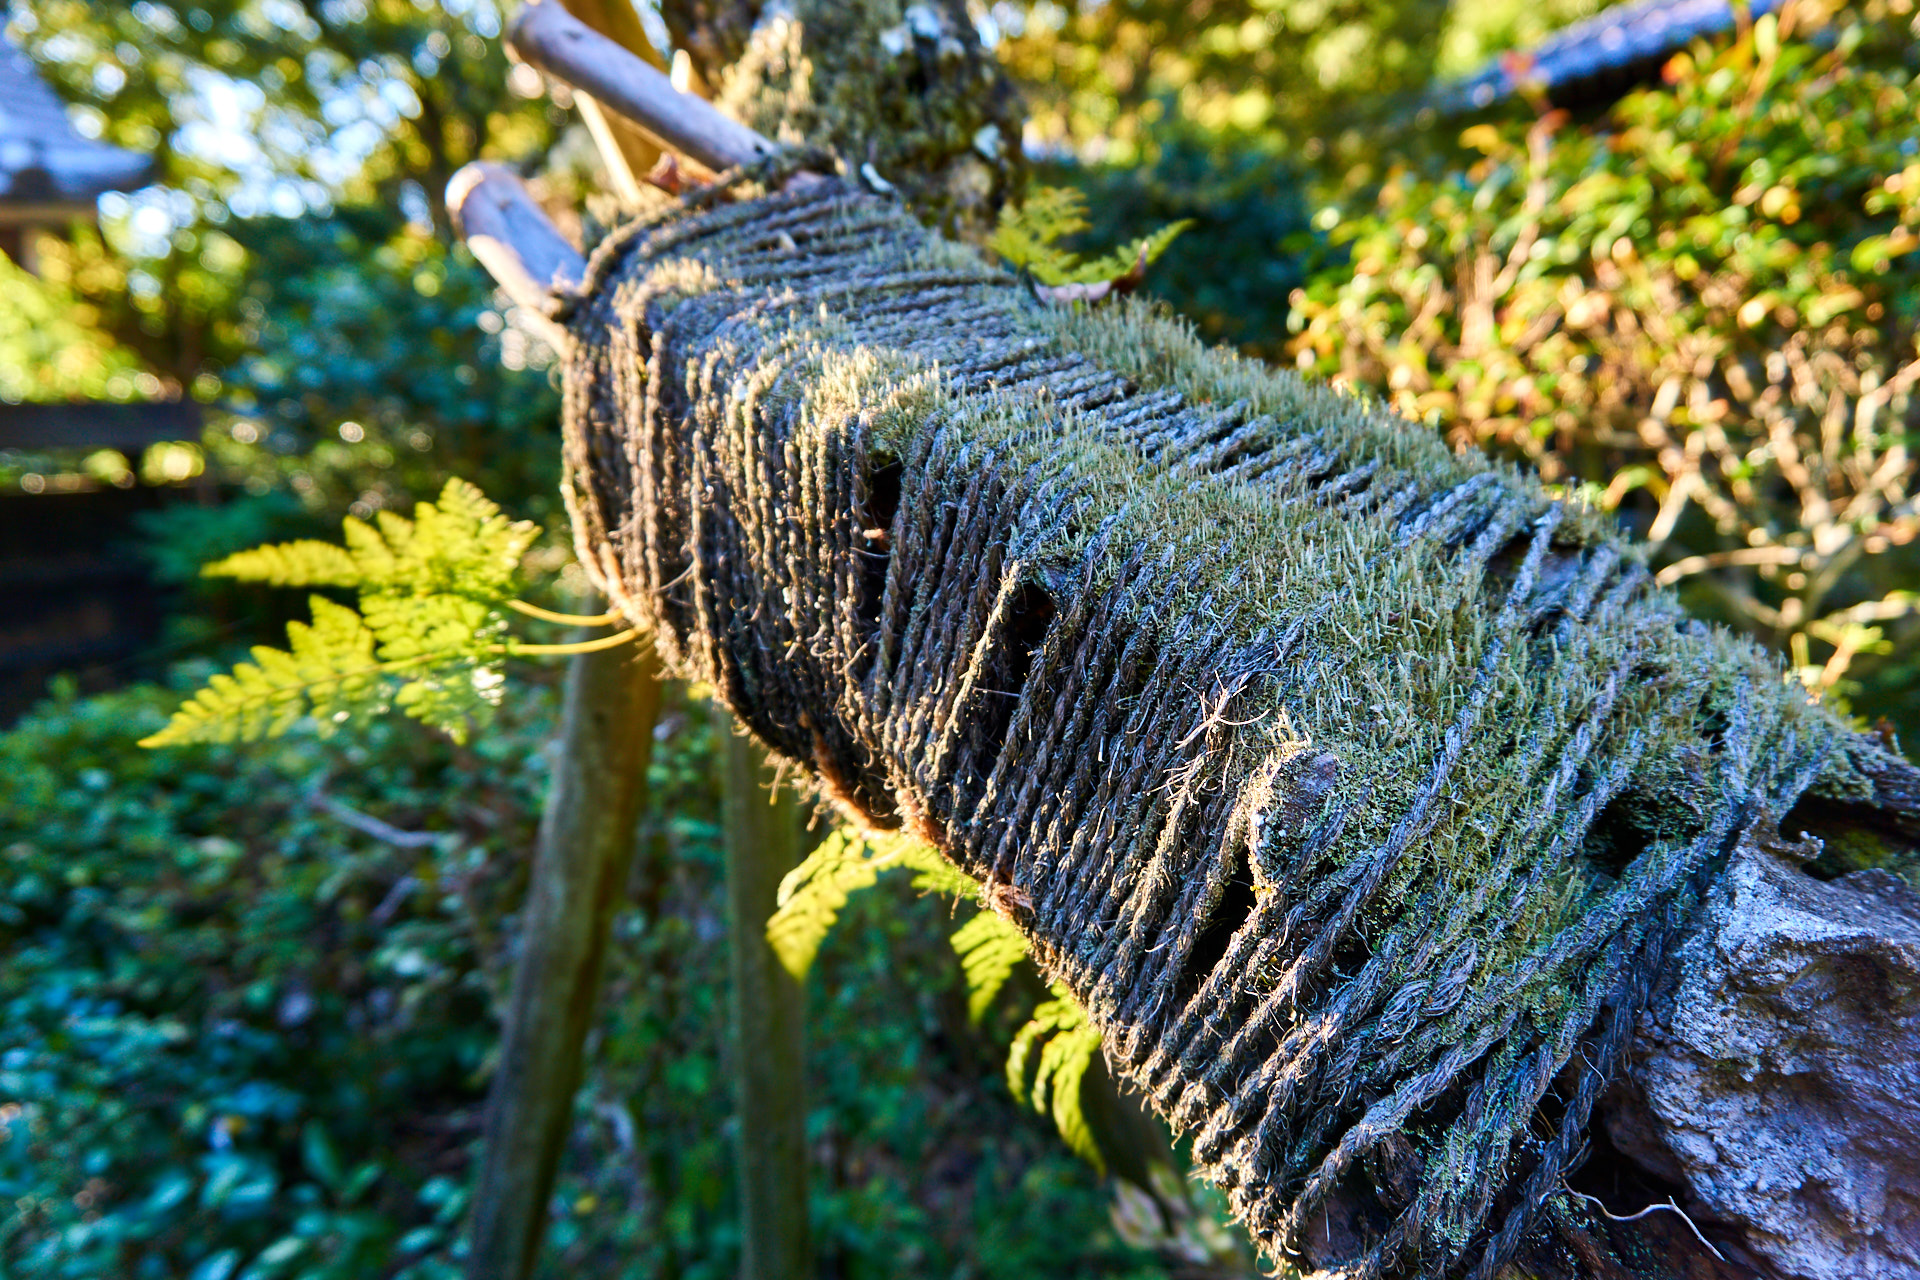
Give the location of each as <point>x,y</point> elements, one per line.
<point>328,672</point>
<point>1026,234</point>
<point>1122,261</point>
<point>932,873</point>
<point>1067,1040</point>
<point>989,947</point>
<point>306,563</point>
<point>812,894</point>
<point>1063,1066</point>
<point>428,637</point>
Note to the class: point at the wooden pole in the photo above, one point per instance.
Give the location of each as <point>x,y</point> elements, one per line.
<point>579,877</point>
<point>763,844</point>
<point>628,152</point>
<point>558,43</point>
<point>514,240</point>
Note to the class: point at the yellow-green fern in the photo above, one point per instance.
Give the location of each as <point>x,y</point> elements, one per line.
<point>1067,1042</point>
<point>812,894</point>
<point>429,635</point>
<point>1027,237</point>
<point>989,947</point>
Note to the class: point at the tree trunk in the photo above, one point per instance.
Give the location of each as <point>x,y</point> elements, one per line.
<point>578,880</point>
<point>763,844</point>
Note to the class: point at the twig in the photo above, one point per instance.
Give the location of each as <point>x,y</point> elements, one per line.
<point>367,824</point>
<point>1667,1204</point>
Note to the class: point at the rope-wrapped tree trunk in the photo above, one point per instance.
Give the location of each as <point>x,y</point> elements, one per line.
<point>1357,788</point>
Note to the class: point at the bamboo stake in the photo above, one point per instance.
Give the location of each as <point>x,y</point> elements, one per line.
<point>558,43</point>
<point>515,241</point>
<point>628,152</point>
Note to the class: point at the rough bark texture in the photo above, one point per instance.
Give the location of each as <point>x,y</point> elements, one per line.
<point>579,878</point>
<point>1776,1073</point>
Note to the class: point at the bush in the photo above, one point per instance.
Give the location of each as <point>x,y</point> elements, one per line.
<point>245,1037</point>
<point>1703,311</point>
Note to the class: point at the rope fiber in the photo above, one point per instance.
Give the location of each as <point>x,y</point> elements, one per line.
<point>1356,788</point>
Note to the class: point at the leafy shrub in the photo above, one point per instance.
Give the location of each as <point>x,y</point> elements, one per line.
<point>235,1025</point>
<point>1703,310</point>
<point>247,1033</point>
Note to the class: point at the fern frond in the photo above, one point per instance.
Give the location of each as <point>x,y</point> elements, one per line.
<point>989,947</point>
<point>932,873</point>
<point>1121,261</point>
<point>1062,1068</point>
<point>328,672</point>
<point>428,637</point>
<point>1026,236</point>
<point>1067,1040</point>
<point>305,563</point>
<point>812,894</point>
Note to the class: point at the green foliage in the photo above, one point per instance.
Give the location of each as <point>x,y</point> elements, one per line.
<point>427,637</point>
<point>1294,70</point>
<point>1250,242</point>
<point>231,1022</point>
<point>812,895</point>
<point>1027,238</point>
<point>239,1037</point>
<point>1702,311</point>
<point>1067,1042</point>
<point>989,947</point>
<point>49,351</point>
<point>815,893</point>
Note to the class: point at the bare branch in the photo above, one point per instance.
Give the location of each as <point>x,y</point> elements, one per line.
<point>514,240</point>
<point>552,39</point>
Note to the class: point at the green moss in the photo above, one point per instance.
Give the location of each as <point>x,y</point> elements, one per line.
<point>1537,755</point>
<point>906,88</point>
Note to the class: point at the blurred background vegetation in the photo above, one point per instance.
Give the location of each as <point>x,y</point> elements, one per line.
<point>247,1030</point>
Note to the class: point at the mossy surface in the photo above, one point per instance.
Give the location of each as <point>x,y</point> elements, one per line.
<point>1356,786</point>
<point>904,88</point>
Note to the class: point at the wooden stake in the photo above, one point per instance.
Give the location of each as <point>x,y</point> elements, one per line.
<point>579,877</point>
<point>515,241</point>
<point>763,844</point>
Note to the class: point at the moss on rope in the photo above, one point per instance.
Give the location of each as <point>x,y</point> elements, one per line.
<point>1355,786</point>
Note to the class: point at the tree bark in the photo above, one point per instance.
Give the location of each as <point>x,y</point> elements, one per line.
<point>763,843</point>
<point>578,879</point>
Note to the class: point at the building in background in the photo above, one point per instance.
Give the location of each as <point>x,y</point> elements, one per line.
<point>73,596</point>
